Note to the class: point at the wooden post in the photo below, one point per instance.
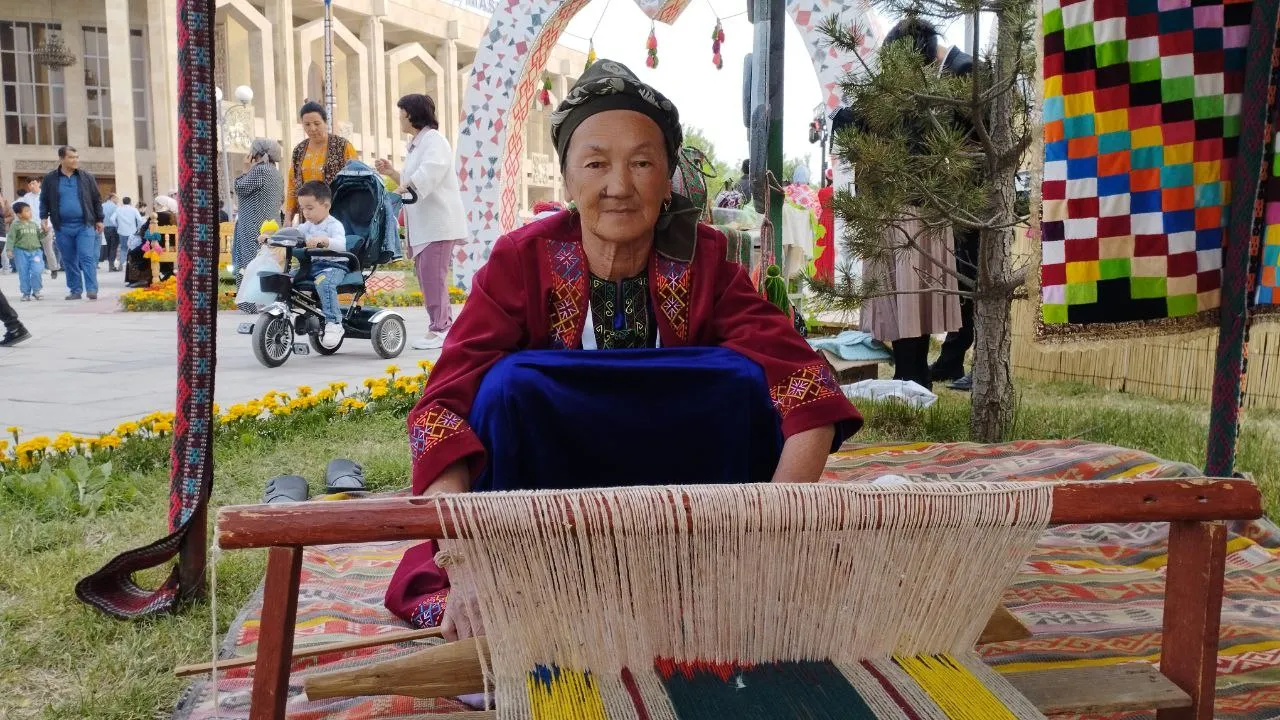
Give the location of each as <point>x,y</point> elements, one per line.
<point>275,641</point>
<point>1192,614</point>
<point>192,554</point>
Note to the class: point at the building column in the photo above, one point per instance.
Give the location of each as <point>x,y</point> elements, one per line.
<point>162,48</point>
<point>120,70</point>
<point>77,98</point>
<point>380,134</point>
<point>452,101</point>
<point>280,13</point>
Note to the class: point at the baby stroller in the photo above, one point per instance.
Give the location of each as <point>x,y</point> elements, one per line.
<point>368,213</point>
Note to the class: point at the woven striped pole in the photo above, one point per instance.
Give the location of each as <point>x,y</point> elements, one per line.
<point>112,588</point>
<point>1256,130</point>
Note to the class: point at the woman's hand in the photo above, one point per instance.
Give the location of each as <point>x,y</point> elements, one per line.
<point>386,168</point>
<point>804,455</point>
<point>461,615</point>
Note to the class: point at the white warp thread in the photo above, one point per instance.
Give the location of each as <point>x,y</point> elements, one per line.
<point>607,579</point>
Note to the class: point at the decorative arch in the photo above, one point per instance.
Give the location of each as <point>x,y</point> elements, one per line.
<point>262,41</point>
<point>401,54</point>
<point>310,32</point>
<point>505,77</point>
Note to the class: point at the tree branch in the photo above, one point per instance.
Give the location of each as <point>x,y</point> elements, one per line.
<point>921,291</point>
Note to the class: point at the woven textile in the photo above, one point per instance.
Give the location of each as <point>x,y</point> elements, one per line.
<point>1267,295</point>
<point>1090,594</point>
<point>1142,121</point>
<point>112,589</point>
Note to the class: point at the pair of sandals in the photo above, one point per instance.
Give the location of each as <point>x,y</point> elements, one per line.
<point>343,479</point>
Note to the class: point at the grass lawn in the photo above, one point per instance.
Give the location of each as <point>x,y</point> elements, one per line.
<point>59,659</point>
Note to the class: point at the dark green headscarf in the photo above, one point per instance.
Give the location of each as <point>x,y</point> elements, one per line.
<point>609,85</point>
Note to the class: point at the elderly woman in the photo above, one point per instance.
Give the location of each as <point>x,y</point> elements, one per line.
<point>320,157</point>
<point>733,395</point>
<point>260,191</point>
<point>437,221</point>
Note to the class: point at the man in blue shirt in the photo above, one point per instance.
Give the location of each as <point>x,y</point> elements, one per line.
<point>71,203</point>
<point>111,239</point>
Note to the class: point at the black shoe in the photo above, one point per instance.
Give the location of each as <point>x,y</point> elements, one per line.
<point>13,337</point>
<point>113,268</point>
<point>53,274</point>
<point>93,296</point>
<point>939,373</point>
<point>964,384</point>
<point>72,296</point>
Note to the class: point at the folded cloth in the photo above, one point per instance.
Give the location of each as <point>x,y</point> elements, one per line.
<point>608,418</point>
<point>854,346</point>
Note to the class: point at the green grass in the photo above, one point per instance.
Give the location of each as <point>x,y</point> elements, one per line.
<point>59,659</point>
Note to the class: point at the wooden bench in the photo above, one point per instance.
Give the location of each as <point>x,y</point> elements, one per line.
<point>1182,689</point>
<point>169,240</point>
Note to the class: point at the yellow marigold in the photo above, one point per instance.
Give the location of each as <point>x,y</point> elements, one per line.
<point>304,390</point>
<point>13,430</point>
<point>126,429</point>
<point>377,392</point>
<point>162,427</point>
<point>426,365</point>
<point>393,369</point>
<point>109,441</point>
<point>370,382</point>
<point>325,395</point>
<point>227,419</point>
<point>40,442</point>
<point>282,410</point>
<point>337,386</point>
<point>64,442</point>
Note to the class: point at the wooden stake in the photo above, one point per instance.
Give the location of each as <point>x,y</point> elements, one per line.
<point>1193,614</point>
<point>275,643</point>
<point>439,671</point>
<point>345,646</point>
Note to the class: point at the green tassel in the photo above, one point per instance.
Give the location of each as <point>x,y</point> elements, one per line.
<point>775,288</point>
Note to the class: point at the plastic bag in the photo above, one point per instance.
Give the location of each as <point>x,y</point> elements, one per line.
<point>251,285</point>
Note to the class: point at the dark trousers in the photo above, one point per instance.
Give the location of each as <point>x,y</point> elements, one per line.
<point>911,360</point>
<point>113,246</point>
<point>8,315</point>
<point>950,362</point>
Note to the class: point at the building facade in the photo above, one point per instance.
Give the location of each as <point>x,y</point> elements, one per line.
<point>116,104</point>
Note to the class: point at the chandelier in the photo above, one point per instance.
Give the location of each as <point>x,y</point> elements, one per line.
<point>54,53</point>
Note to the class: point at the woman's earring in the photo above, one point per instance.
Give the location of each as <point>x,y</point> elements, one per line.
<point>572,206</point>
<point>666,205</point>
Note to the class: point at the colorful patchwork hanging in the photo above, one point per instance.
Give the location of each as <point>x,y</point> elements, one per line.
<point>1142,106</point>
<point>1267,296</point>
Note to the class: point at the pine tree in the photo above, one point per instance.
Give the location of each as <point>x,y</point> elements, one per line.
<point>945,150</point>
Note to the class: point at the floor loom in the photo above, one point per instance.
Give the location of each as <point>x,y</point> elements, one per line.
<point>1183,689</point>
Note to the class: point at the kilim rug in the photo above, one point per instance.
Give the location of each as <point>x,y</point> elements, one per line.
<point>1091,595</point>
<point>1267,272</point>
<point>1142,121</point>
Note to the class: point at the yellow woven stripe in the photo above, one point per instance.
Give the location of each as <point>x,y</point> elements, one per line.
<point>960,695</point>
<point>1153,656</point>
<point>569,695</point>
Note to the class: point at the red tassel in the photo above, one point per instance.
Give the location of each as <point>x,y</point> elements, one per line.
<point>717,37</point>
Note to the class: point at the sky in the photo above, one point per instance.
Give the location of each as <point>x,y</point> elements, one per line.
<point>707,98</point>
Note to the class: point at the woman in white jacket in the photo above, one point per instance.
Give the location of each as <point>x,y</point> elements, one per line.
<point>436,223</point>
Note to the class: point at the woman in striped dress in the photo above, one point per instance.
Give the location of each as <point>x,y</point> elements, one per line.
<point>260,192</point>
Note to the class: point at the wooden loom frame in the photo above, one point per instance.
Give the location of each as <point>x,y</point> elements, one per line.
<point>1195,508</point>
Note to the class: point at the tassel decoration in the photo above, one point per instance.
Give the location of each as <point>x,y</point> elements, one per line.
<point>591,53</point>
<point>652,46</point>
<point>545,95</point>
<point>717,37</point>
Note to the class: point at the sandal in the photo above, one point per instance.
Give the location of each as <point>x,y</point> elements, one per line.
<point>286,488</point>
<point>343,476</point>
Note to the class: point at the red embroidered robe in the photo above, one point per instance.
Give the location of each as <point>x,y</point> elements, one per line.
<point>533,294</point>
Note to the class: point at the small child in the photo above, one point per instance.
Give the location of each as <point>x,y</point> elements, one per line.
<point>27,251</point>
<point>324,232</point>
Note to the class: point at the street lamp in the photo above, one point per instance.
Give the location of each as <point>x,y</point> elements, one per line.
<point>236,113</point>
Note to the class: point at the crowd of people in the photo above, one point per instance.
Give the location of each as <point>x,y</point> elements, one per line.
<point>62,224</point>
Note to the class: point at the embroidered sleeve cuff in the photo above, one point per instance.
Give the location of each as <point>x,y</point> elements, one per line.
<point>439,437</point>
<point>810,397</point>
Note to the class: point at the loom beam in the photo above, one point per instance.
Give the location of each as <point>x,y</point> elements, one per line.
<point>1197,550</point>
<point>416,518</point>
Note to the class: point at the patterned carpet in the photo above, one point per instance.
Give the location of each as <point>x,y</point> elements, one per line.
<point>1091,595</point>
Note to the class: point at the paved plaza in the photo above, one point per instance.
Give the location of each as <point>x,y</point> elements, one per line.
<point>89,366</point>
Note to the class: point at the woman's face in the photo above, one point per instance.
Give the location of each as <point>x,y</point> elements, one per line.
<point>405,126</point>
<point>315,127</point>
<point>617,175</point>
